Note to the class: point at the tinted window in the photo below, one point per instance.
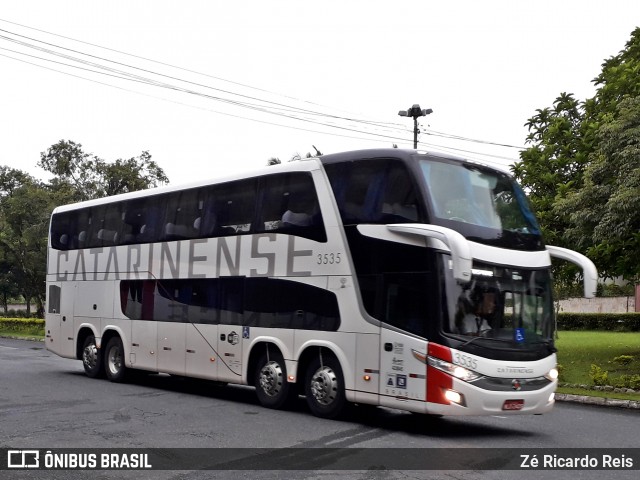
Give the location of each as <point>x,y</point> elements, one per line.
<point>374,191</point>
<point>287,204</point>
<point>183,214</point>
<point>232,207</point>
<point>399,299</point>
<point>290,205</point>
<point>53,299</point>
<point>286,304</point>
<point>260,302</point>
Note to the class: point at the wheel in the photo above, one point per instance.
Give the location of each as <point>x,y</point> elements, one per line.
<point>270,380</point>
<point>324,387</point>
<point>91,358</point>
<point>114,360</point>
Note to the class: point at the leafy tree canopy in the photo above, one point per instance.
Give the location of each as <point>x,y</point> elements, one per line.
<point>581,168</point>
<point>86,176</point>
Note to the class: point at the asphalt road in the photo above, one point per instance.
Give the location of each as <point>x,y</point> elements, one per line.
<point>47,402</point>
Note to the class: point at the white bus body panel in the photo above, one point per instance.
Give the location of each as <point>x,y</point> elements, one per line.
<point>144,345</point>
<point>481,401</point>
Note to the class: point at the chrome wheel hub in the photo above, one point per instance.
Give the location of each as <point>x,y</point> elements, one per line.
<point>324,386</point>
<point>271,378</point>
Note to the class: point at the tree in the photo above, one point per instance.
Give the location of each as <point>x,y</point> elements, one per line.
<point>580,169</point>
<point>85,176</point>
<point>605,213</point>
<point>25,207</point>
<point>554,163</point>
<point>295,158</point>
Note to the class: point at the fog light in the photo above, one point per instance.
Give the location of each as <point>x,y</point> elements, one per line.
<point>454,397</point>
<point>552,397</point>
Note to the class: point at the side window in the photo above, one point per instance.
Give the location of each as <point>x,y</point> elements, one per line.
<point>398,299</point>
<point>399,199</point>
<point>231,209</point>
<point>258,302</point>
<point>404,298</point>
<point>137,299</point>
<point>374,191</point>
<point>142,220</point>
<point>106,226</point>
<point>277,303</point>
<point>231,300</point>
<point>53,299</point>
<point>183,215</point>
<point>69,230</point>
<point>289,205</point>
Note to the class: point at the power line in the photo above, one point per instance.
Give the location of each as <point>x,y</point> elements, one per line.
<point>373,123</point>
<point>264,106</point>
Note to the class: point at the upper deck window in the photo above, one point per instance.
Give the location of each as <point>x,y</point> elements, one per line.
<point>285,203</point>
<point>374,191</point>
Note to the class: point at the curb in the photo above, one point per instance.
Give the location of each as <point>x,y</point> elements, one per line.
<point>599,401</point>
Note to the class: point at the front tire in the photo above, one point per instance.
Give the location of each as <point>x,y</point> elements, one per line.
<point>114,360</point>
<point>91,358</point>
<point>324,387</point>
<point>270,380</point>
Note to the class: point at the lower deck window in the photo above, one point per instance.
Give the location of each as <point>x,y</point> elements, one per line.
<point>258,302</point>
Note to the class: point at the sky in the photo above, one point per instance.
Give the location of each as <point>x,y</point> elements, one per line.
<point>213,88</point>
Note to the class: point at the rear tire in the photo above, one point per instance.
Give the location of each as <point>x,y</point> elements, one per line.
<point>92,358</point>
<point>270,380</point>
<point>114,360</point>
<point>324,387</point>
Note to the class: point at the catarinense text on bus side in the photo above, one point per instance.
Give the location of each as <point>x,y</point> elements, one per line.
<point>256,255</point>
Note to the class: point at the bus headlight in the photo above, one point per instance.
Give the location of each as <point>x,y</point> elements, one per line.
<point>552,375</point>
<point>453,370</point>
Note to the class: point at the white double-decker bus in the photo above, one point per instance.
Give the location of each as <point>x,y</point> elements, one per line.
<point>384,277</point>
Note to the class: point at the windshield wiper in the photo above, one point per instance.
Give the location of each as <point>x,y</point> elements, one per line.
<point>484,337</point>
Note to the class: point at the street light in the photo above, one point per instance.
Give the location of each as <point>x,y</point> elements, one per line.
<point>415,112</point>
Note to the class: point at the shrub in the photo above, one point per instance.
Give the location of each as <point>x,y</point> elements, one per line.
<point>629,381</point>
<point>623,359</point>
<point>598,376</point>
<point>621,322</point>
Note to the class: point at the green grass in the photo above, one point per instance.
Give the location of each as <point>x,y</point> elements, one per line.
<point>596,393</point>
<point>578,350</point>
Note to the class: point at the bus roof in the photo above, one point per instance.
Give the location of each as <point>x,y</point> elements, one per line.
<point>304,165</point>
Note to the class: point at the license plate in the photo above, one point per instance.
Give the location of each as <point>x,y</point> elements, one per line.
<point>513,405</point>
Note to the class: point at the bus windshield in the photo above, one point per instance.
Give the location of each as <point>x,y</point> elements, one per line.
<point>483,204</point>
<point>501,304</point>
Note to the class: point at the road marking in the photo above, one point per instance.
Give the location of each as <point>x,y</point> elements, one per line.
<point>9,348</point>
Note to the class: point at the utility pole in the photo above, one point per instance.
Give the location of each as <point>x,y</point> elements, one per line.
<point>415,112</point>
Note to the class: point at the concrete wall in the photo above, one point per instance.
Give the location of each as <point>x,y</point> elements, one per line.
<point>599,305</point>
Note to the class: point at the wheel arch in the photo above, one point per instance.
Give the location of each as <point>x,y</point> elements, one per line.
<point>84,332</point>
<point>111,332</point>
<point>312,350</point>
<point>257,349</point>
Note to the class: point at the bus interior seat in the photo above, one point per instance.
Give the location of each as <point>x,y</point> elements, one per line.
<point>290,218</point>
<point>108,236</point>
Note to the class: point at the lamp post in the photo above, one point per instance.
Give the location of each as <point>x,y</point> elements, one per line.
<point>415,112</point>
